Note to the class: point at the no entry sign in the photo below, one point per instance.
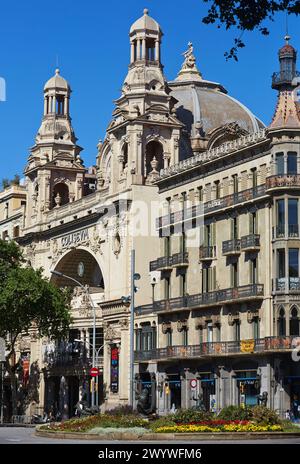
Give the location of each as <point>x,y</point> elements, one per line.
<point>94,372</point>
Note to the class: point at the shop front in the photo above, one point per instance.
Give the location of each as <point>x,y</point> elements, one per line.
<point>248,384</point>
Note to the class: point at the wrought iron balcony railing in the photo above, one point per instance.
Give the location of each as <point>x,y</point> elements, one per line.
<point>293,230</point>
<point>180,259</point>
<point>211,206</point>
<point>68,355</point>
<point>167,262</point>
<point>231,247</point>
<point>283,77</point>
<point>250,242</point>
<point>283,181</point>
<point>207,252</point>
<point>217,297</point>
<point>206,349</point>
<point>287,285</point>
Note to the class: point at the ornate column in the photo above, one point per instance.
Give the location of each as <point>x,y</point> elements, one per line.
<point>132,45</point>
<point>143,49</point>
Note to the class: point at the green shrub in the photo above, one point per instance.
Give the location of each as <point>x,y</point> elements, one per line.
<point>264,416</point>
<point>185,416</point>
<point>234,413</point>
<point>162,422</point>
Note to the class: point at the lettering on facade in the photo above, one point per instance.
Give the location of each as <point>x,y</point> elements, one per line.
<point>74,238</point>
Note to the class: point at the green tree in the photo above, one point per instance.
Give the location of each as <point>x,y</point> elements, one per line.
<point>28,301</point>
<point>246,15</point>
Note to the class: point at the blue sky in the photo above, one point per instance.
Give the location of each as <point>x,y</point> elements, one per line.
<point>91,41</point>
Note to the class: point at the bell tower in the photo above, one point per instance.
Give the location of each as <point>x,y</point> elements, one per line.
<point>54,169</point>
<point>143,136</point>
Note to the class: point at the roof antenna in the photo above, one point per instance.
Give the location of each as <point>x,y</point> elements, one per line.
<point>287,37</point>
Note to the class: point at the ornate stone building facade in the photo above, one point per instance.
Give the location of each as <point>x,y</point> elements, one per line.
<point>217,311</point>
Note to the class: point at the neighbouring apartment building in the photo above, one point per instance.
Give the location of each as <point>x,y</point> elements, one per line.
<point>208,197</point>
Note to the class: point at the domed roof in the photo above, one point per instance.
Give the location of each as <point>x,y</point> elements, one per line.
<point>57,82</point>
<point>206,104</point>
<point>145,22</point>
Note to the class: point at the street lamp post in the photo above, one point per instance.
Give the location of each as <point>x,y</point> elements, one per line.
<point>134,277</point>
<point>61,274</point>
<point>96,361</point>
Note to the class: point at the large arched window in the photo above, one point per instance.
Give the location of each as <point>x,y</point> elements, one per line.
<point>154,150</point>
<point>125,156</point>
<point>281,322</point>
<point>294,321</point>
<point>60,195</point>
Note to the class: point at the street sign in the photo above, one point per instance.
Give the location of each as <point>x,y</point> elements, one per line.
<point>94,372</point>
<point>193,383</point>
<point>2,349</point>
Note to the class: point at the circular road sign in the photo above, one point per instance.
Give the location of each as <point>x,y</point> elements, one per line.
<point>193,383</point>
<point>94,372</point>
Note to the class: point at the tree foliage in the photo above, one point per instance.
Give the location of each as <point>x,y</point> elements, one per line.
<point>246,15</point>
<point>28,301</point>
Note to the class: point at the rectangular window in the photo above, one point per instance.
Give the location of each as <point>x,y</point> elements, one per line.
<point>183,242</point>
<point>253,271</point>
<point>292,162</point>
<point>293,262</point>
<point>253,223</point>
<point>207,235</point>
<point>279,163</point>
<point>167,288</point>
<point>235,183</point>
<point>293,217</point>
<point>209,333</point>
<point>183,284</point>
<point>237,331</point>
<point>169,338</point>
<point>234,228</point>
<point>280,218</point>
<point>99,339</point>
<point>185,340</point>
<point>167,244</point>
<point>234,275</point>
<point>280,263</point>
<point>218,333</point>
<point>256,328</point>
<point>254,177</point>
<point>205,280</point>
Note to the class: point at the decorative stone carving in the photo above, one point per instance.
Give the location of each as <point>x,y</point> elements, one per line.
<point>111,333</point>
<point>166,327</point>
<point>181,325</point>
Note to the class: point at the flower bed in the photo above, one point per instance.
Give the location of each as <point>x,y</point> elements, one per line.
<point>189,428</point>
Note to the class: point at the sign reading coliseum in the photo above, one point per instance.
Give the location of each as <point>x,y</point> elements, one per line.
<point>75,238</point>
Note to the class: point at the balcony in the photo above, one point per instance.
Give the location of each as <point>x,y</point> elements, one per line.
<point>283,77</point>
<point>231,247</point>
<point>180,259</point>
<point>67,357</point>
<point>215,349</point>
<point>191,213</point>
<point>166,263</point>
<point>207,253</point>
<point>202,300</point>
<point>161,264</point>
<point>286,285</point>
<point>250,242</point>
<point>282,181</point>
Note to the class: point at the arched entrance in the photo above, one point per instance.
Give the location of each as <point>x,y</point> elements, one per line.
<point>68,361</point>
<point>82,266</point>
